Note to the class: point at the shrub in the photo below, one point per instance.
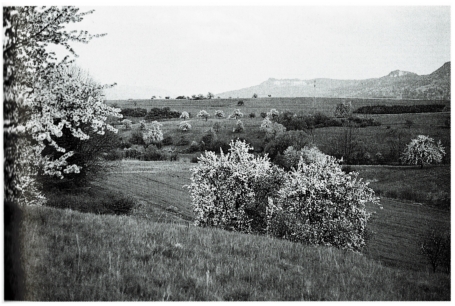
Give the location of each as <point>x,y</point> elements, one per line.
<point>216,126</point>
<point>184,115</point>
<point>271,129</point>
<point>252,115</point>
<point>273,114</point>
<point>263,114</point>
<point>319,204</point>
<point>142,125</point>
<point>167,141</point>
<point>208,139</point>
<point>134,112</point>
<point>184,126</point>
<point>219,114</point>
<point>237,114</point>
<point>127,124</point>
<point>203,114</point>
<point>422,150</point>
<point>239,127</point>
<point>136,138</point>
<point>162,113</point>
<point>182,141</point>
<point>240,103</point>
<point>152,153</point>
<point>153,134</point>
<point>343,110</point>
<point>194,147</point>
<point>224,187</point>
<point>435,248</point>
<point>296,139</point>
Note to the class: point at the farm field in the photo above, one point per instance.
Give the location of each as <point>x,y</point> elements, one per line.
<point>324,105</point>
<point>397,228</point>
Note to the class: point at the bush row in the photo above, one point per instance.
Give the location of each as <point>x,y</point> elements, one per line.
<point>399,109</point>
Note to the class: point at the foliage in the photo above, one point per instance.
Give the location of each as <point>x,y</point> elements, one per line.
<point>208,139</point>
<point>142,125</point>
<point>399,109</point>
<point>308,154</point>
<point>134,112</point>
<point>154,134</point>
<point>319,204</point>
<point>157,113</point>
<point>237,114</point>
<point>277,146</point>
<point>184,126</point>
<point>273,113</point>
<point>35,96</point>
<point>219,114</point>
<point>127,124</point>
<point>239,127</point>
<point>184,116</point>
<point>316,203</point>
<point>271,129</point>
<point>167,141</point>
<point>217,126</point>
<point>222,187</point>
<point>422,151</point>
<point>203,114</point>
<point>343,110</point>
<point>435,247</point>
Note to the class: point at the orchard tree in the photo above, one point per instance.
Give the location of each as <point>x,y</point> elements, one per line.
<point>34,110</point>
<point>203,114</point>
<point>185,115</point>
<point>237,114</point>
<point>273,114</point>
<point>184,126</point>
<point>154,134</point>
<point>219,114</point>
<point>210,95</point>
<point>271,129</point>
<point>255,96</point>
<point>422,151</point>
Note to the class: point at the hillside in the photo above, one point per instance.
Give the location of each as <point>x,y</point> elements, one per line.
<point>397,84</point>
<point>89,257</point>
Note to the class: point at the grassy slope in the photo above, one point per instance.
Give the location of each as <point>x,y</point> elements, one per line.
<point>398,226</point>
<point>75,256</point>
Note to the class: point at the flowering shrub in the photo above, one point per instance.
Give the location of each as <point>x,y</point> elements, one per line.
<point>185,116</point>
<point>273,113</point>
<point>237,114</point>
<point>219,114</point>
<point>153,134</point>
<point>185,126</point>
<point>317,203</point>
<point>271,129</point>
<point>203,114</point>
<point>321,205</point>
<point>422,150</point>
<point>223,188</point>
<point>239,127</point>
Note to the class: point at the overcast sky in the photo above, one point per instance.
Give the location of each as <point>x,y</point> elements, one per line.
<point>191,50</point>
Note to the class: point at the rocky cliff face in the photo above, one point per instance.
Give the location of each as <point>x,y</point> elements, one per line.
<point>397,84</point>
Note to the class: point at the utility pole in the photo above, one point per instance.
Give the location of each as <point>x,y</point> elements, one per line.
<point>314,94</point>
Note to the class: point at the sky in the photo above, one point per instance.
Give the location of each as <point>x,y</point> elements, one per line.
<point>196,49</point>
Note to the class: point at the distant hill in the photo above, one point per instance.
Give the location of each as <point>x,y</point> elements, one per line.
<point>397,84</point>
